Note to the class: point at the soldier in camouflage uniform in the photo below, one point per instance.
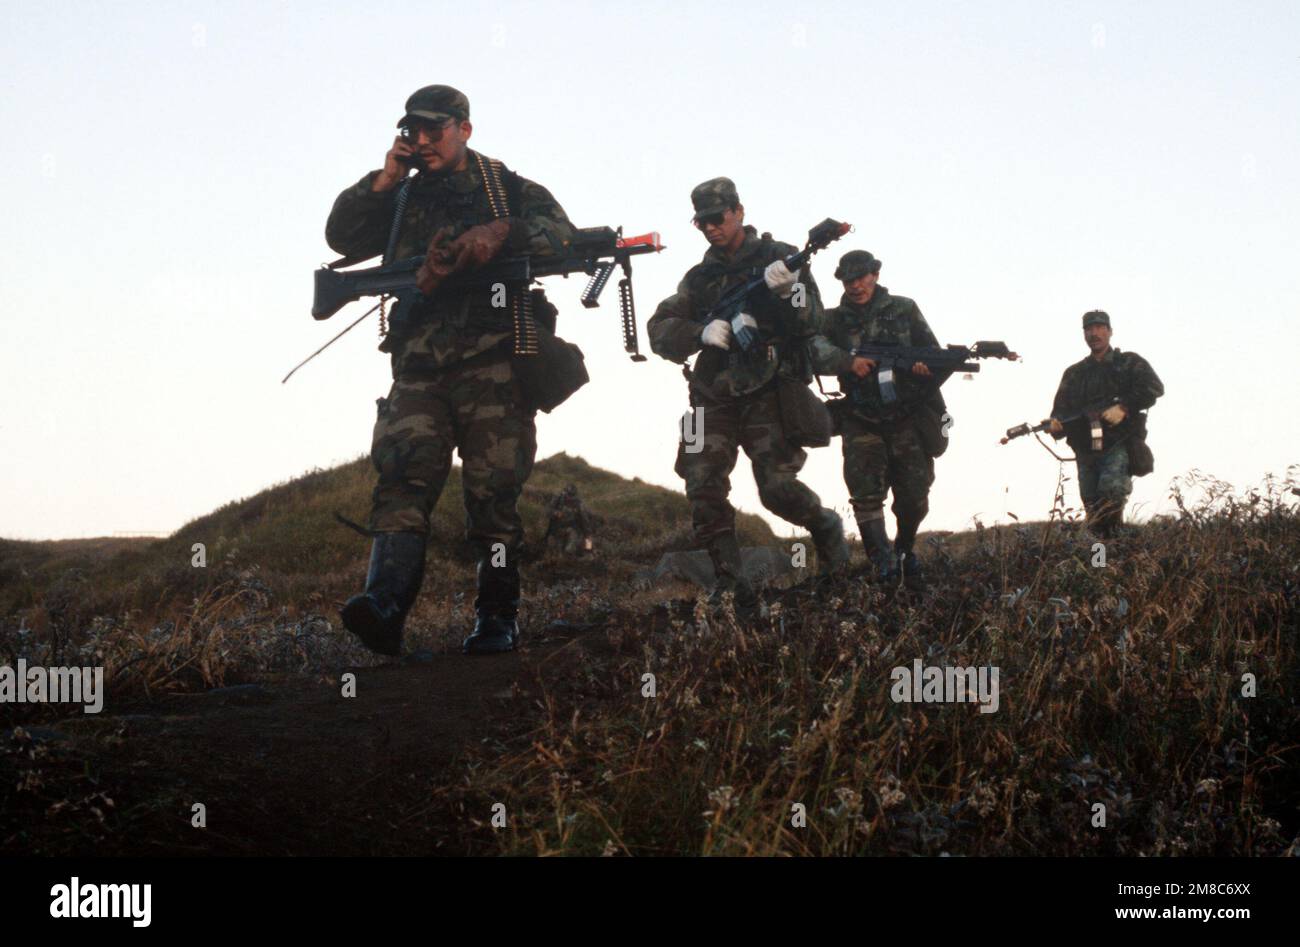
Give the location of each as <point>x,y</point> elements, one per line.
<point>735,397</point>
<point>883,446</point>
<point>570,522</point>
<point>1111,389</point>
<point>453,382</point>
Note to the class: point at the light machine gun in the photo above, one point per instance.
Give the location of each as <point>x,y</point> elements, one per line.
<point>595,251</point>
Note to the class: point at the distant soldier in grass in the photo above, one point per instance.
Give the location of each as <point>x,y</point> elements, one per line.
<point>734,399</point>
<point>571,523</point>
<point>454,384</point>
<point>1100,409</point>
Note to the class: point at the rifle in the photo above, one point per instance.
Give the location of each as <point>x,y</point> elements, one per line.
<point>1092,414</point>
<point>595,251</point>
<point>732,302</point>
<point>941,361</point>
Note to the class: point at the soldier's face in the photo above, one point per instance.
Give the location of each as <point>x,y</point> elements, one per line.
<point>859,290</point>
<point>1098,337</point>
<point>444,148</point>
<point>726,229</point>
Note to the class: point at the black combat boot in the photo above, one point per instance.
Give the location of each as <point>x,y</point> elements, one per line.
<point>884,567</point>
<point>828,537</point>
<point>729,576</point>
<point>1104,519</point>
<point>497,628</point>
<point>913,576</point>
<point>396,569</point>
<point>1110,515</point>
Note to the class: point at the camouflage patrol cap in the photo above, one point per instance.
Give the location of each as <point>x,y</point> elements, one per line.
<point>856,263</point>
<point>436,103</point>
<point>714,196</point>
<point>1096,318</point>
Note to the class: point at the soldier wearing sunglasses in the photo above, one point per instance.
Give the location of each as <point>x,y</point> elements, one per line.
<point>454,386</point>
<point>733,396</point>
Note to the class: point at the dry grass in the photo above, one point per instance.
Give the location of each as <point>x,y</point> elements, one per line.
<point>1120,685</point>
<point>278,565</point>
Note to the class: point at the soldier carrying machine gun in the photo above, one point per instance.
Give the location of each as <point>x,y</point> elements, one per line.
<point>595,251</point>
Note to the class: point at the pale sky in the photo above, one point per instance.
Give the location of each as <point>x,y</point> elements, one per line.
<point>171,167</point>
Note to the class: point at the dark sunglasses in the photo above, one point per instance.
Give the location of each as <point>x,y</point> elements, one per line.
<point>431,131</point>
<point>709,220</point>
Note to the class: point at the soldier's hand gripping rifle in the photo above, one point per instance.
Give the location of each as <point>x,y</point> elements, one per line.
<point>732,304</point>
<point>942,362</point>
<point>595,251</point>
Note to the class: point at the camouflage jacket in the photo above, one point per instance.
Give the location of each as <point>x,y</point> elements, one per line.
<point>456,325</point>
<point>678,322</point>
<point>887,319</point>
<point>1091,385</point>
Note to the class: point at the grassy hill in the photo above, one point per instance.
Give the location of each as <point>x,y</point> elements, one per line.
<point>284,547</point>
<point>1158,681</point>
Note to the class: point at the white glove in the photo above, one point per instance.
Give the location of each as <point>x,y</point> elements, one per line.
<point>779,279</point>
<point>717,333</point>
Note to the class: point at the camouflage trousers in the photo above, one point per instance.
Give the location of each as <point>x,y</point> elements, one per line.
<point>753,423</point>
<point>876,462</point>
<point>1104,480</point>
<point>475,406</point>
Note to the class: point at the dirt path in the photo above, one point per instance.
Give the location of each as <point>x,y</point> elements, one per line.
<point>283,766</point>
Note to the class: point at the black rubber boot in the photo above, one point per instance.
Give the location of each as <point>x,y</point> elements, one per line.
<point>905,535</point>
<point>1104,519</point>
<point>729,576</point>
<point>884,566</point>
<point>377,615</point>
<point>496,630</point>
<point>1110,517</point>
<point>913,575</point>
<point>828,537</point>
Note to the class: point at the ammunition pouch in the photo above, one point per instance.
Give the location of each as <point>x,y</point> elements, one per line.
<point>805,418</point>
<point>550,376</point>
<point>927,417</point>
<point>929,420</point>
<point>836,408</point>
<point>1140,459</point>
